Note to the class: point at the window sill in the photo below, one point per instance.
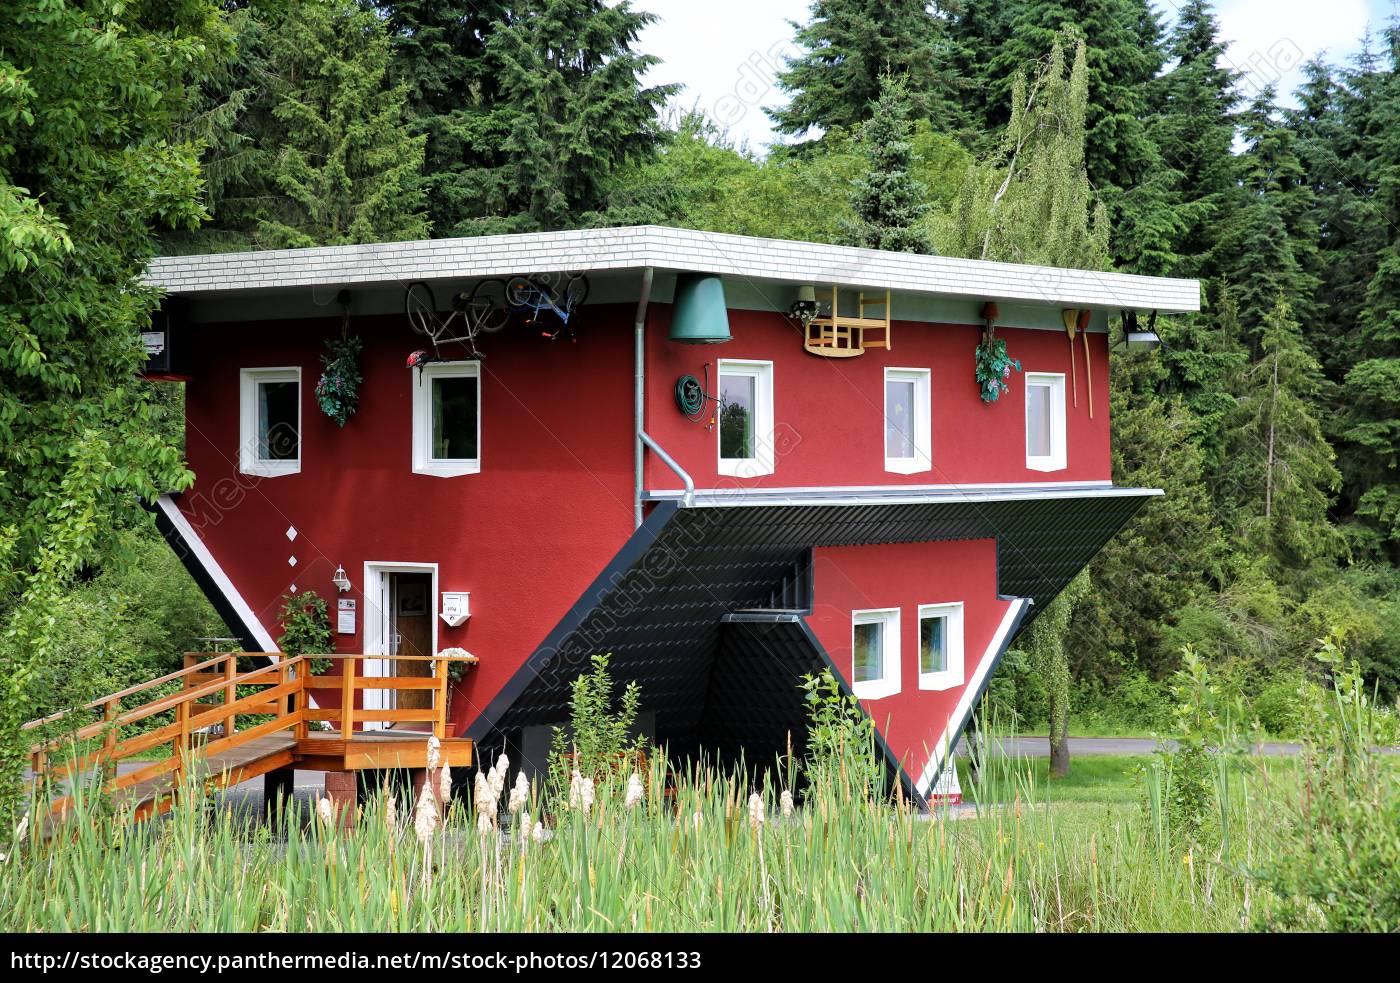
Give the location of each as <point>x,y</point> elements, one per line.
<point>907,465</point>
<point>1045,464</point>
<point>939,681</point>
<point>446,469</point>
<point>746,467</point>
<point>271,469</point>
<point>875,690</point>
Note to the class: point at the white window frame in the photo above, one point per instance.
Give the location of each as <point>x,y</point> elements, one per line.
<point>762,462</point>
<point>248,460</point>
<point>423,461</point>
<point>923,421</point>
<point>1056,460</point>
<point>889,683</point>
<point>954,675</point>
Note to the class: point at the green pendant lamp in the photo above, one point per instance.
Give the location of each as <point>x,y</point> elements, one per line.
<point>699,315</point>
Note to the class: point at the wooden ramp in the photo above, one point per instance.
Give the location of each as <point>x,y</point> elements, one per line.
<point>205,747</point>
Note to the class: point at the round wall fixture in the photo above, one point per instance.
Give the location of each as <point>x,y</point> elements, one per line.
<point>690,396</point>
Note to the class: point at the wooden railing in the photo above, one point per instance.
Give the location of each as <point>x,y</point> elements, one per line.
<point>208,703</point>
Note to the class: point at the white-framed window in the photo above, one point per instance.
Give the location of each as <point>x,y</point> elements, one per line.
<point>447,419</point>
<point>269,429</point>
<point>908,425</point>
<point>875,653</point>
<point>1045,421</point>
<point>745,417</point>
<point>940,645</point>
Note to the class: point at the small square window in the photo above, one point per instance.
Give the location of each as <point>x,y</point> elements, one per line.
<point>908,430</point>
<point>1045,421</point>
<point>447,419</point>
<point>875,653</point>
<point>940,646</point>
<point>270,421</point>
<point>745,418</point>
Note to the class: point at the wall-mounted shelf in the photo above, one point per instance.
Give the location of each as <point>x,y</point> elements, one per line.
<point>838,336</point>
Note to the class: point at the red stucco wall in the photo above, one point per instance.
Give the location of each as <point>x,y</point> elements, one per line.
<point>852,578</point>
<point>828,412</point>
<point>551,506</point>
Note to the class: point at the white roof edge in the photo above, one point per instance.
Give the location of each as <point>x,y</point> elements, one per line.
<point>899,495</point>
<point>667,248</point>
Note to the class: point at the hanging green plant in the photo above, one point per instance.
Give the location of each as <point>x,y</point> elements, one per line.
<point>994,367</point>
<point>338,391</point>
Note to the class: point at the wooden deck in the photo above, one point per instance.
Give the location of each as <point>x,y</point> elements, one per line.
<point>207,748</point>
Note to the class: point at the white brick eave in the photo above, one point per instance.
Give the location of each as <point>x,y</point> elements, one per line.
<point>596,250</point>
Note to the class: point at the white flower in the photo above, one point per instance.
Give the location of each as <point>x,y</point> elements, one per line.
<point>539,832</point>
<point>520,795</point>
<point>434,752</point>
<point>445,785</point>
<point>425,817</point>
<point>756,817</point>
<point>325,811</point>
<point>785,802</point>
<point>575,789</point>
<point>484,824</point>
<point>634,791</point>
<point>526,826</point>
<point>391,813</point>
<point>585,796</point>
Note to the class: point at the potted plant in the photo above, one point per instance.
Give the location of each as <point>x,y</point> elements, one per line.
<point>338,391</point>
<point>994,367</point>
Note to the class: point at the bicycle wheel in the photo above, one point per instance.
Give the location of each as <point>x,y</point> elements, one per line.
<point>421,308</point>
<point>486,306</point>
<point>575,292</point>
<point>521,292</point>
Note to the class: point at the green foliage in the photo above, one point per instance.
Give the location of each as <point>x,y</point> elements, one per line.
<point>1044,647</point>
<point>599,742</point>
<point>1339,847</point>
<point>306,628</point>
<point>338,389</point>
<point>1030,200</point>
<point>89,171</point>
<point>993,368</point>
<point>888,201</point>
<point>841,747</point>
<point>848,46</point>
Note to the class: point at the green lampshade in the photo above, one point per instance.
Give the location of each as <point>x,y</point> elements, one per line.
<point>699,315</point>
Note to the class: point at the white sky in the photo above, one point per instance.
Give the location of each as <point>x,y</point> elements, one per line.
<point>726,52</point>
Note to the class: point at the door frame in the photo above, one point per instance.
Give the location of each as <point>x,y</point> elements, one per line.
<point>376,621</point>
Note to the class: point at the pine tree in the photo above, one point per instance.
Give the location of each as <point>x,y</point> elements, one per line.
<point>848,45</point>
<point>440,55</point>
<point>570,111</point>
<point>1282,475</point>
<point>888,201</point>
<point>319,154</point>
<point>1193,122</point>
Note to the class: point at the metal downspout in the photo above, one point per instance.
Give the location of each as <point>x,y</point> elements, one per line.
<point>639,392</point>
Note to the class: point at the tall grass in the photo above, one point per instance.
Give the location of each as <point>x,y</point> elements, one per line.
<point>691,856</point>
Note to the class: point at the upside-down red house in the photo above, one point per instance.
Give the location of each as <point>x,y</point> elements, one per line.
<point>727,461</point>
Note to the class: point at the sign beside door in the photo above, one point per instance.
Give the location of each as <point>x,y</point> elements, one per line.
<point>345,617</point>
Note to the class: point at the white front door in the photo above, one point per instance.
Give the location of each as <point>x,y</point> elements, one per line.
<point>382,642</point>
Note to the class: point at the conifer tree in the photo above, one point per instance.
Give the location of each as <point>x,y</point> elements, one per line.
<point>440,55</point>
<point>1282,474</point>
<point>889,203</point>
<point>847,46</point>
<point>570,109</point>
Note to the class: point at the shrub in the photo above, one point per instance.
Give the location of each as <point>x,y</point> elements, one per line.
<point>599,742</point>
<point>306,628</point>
<point>1338,848</point>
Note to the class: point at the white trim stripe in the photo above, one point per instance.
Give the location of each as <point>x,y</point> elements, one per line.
<point>942,748</point>
<point>896,494</point>
<point>216,573</point>
<point>636,247</point>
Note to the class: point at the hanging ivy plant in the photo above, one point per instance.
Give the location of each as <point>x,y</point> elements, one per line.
<point>994,368</point>
<point>338,391</point>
